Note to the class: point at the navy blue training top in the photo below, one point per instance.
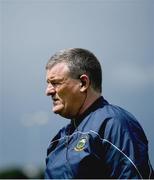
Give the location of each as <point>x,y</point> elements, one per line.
<point>105,142</point>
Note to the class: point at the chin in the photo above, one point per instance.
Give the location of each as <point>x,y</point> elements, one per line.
<point>57,110</point>
<point>61,113</point>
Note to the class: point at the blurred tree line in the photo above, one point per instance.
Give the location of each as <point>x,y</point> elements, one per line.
<point>19,173</point>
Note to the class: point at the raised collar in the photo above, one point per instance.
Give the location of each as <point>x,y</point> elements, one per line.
<point>100,102</point>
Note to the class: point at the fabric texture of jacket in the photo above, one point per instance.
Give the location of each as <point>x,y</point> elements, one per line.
<point>105,142</point>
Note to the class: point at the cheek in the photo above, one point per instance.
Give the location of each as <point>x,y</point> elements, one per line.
<point>68,94</point>
<point>63,94</point>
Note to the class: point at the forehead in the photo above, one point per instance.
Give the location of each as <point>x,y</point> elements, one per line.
<point>59,70</point>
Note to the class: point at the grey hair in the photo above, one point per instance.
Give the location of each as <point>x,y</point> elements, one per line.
<point>79,61</point>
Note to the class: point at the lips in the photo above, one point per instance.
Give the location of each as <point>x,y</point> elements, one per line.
<point>54,98</point>
<point>55,101</point>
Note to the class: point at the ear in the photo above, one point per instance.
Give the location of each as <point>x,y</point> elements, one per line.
<point>85,83</point>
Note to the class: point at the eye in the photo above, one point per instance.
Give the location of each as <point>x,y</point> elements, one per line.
<point>55,84</point>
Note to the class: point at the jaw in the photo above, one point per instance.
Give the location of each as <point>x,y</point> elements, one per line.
<point>58,108</point>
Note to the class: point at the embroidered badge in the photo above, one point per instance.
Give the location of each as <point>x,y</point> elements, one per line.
<point>81,144</point>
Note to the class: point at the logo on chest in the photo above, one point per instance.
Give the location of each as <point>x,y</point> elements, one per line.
<point>81,144</point>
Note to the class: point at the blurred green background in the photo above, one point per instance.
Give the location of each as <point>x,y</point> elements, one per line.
<point>19,173</point>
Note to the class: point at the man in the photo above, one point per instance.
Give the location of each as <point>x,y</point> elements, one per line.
<point>102,140</point>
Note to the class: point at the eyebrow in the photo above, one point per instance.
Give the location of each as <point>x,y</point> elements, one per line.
<point>54,79</point>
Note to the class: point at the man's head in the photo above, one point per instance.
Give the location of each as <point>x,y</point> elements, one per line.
<point>74,80</point>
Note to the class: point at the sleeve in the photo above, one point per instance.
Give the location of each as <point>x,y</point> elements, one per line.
<point>125,150</point>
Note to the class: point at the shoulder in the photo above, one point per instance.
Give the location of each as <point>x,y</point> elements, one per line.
<point>111,121</point>
<point>116,115</point>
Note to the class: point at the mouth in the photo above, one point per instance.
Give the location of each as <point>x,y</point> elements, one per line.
<point>57,106</point>
<point>55,100</point>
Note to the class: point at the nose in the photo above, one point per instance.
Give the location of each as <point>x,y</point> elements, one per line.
<point>50,90</point>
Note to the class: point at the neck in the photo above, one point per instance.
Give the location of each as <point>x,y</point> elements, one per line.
<point>90,98</point>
